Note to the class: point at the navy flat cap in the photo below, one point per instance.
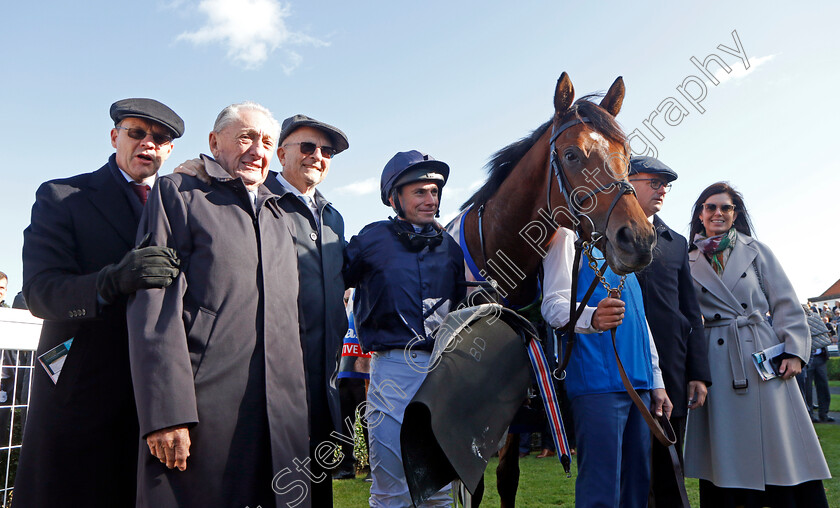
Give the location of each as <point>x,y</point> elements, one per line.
<point>338,138</point>
<point>149,109</point>
<point>652,166</point>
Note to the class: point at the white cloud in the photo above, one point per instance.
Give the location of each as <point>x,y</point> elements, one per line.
<point>738,70</point>
<point>368,186</point>
<point>251,30</point>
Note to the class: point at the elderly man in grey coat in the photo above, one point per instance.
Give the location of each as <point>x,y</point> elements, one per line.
<point>216,358</point>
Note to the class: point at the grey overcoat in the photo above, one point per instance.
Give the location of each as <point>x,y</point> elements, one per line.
<point>762,434</point>
<point>219,349</point>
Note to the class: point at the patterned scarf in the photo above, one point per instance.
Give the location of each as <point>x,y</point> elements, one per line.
<point>714,247</point>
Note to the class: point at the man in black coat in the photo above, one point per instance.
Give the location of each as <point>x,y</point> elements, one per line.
<point>305,149</point>
<point>79,265</point>
<point>674,317</point>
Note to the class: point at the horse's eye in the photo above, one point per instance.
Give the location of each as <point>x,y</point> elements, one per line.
<point>570,156</point>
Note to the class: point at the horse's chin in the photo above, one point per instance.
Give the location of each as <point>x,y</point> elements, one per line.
<point>628,262</point>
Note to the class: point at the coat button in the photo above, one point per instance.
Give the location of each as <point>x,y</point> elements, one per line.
<point>720,342</point>
<point>313,236</point>
<point>744,275</point>
<point>744,305</point>
<point>717,316</point>
<point>704,290</point>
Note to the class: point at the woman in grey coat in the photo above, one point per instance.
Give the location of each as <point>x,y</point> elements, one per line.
<point>752,444</point>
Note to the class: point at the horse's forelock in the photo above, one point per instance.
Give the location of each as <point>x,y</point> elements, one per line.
<point>599,119</point>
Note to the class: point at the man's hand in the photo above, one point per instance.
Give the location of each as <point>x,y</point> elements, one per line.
<point>141,268</point>
<point>659,402</point>
<point>696,394</point>
<point>171,446</point>
<point>194,167</point>
<point>608,315</point>
<point>790,367</point>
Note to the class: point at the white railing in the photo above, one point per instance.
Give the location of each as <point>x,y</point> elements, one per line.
<point>19,333</point>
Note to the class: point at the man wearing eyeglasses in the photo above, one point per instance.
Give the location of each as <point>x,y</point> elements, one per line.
<point>674,317</point>
<point>80,265</point>
<point>305,148</point>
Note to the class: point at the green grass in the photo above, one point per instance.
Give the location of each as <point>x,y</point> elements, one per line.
<point>543,483</point>
<point>835,403</point>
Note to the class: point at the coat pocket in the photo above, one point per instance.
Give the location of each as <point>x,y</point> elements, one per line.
<point>198,338</point>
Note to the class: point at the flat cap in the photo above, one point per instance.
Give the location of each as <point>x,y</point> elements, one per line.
<point>338,138</point>
<point>652,166</point>
<point>149,109</point>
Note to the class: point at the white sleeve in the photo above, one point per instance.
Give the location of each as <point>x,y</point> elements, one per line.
<point>658,382</point>
<point>557,284</point>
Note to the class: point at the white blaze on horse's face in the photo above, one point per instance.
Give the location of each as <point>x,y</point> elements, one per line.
<point>595,146</point>
<point>599,140</point>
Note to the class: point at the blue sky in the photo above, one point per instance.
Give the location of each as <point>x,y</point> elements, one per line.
<point>458,80</point>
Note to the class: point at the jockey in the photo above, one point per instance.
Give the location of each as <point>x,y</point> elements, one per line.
<point>408,273</point>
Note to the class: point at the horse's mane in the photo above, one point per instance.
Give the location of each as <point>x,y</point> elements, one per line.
<point>503,161</point>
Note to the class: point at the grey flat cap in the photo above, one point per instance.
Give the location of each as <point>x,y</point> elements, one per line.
<point>338,138</point>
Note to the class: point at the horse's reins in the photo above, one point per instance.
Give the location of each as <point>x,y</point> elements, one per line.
<point>660,426</point>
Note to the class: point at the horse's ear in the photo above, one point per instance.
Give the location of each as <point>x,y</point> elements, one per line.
<point>564,95</point>
<point>615,96</point>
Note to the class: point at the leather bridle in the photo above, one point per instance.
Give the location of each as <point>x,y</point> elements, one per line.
<point>574,203</point>
<point>659,425</point>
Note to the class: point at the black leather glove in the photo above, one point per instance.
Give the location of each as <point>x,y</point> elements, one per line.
<point>141,268</point>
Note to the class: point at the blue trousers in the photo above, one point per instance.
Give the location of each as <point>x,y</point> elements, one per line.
<point>394,379</point>
<point>613,451</point>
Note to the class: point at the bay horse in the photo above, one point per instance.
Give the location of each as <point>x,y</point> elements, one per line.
<point>570,172</point>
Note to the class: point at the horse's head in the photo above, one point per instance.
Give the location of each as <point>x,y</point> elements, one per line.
<point>590,161</point>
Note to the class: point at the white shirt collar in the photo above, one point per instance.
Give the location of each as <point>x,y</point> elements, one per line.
<point>291,188</point>
<point>150,181</point>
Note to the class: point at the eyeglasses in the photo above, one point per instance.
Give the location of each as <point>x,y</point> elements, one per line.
<point>139,134</point>
<point>308,148</point>
<point>711,207</point>
<point>655,183</point>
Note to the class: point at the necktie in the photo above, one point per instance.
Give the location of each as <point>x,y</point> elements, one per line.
<point>142,191</point>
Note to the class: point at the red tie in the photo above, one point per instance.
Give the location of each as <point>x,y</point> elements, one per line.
<point>142,191</point>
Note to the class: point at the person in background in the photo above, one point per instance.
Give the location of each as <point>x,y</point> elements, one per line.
<point>4,284</point>
<point>674,318</point>
<point>353,378</point>
<point>816,372</point>
<point>752,443</point>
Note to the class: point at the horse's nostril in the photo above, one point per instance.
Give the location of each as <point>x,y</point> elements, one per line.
<point>624,238</point>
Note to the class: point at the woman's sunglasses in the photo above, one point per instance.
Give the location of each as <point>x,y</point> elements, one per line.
<point>711,208</point>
